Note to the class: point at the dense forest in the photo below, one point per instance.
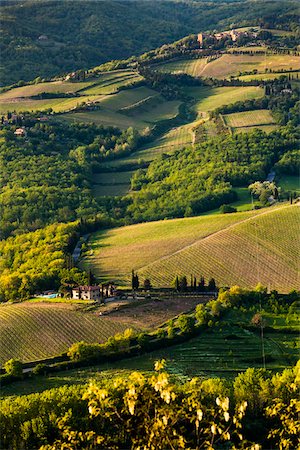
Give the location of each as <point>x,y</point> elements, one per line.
<point>45,176</point>
<point>199,178</point>
<point>53,37</point>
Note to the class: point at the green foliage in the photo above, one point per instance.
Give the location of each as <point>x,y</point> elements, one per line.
<point>201,178</point>
<point>37,261</point>
<point>156,410</point>
<point>45,178</point>
<point>13,367</point>
<point>227,209</point>
<point>185,323</point>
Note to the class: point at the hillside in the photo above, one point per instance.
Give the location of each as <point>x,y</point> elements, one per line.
<point>46,38</point>
<point>241,248</point>
<point>34,331</point>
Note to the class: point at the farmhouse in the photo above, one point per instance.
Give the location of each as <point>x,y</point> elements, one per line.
<point>86,293</point>
<point>20,132</point>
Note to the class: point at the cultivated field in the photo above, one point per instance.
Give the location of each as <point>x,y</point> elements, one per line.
<point>242,248</point>
<point>31,331</point>
<point>232,64</point>
<point>111,184</point>
<point>270,76</point>
<point>18,99</point>
<point>192,67</point>
<point>248,120</point>
<point>207,98</point>
<point>129,108</point>
<point>64,87</point>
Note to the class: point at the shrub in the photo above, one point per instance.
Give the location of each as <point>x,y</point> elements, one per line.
<point>13,367</point>
<point>227,209</point>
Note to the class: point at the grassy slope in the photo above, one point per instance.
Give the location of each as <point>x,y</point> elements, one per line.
<point>94,90</point>
<point>206,99</point>
<point>112,110</point>
<point>33,331</point>
<point>235,249</point>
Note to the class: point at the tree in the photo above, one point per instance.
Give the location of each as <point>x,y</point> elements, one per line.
<point>186,323</point>
<point>183,284</point>
<point>202,284</point>
<point>13,367</point>
<point>211,287</point>
<point>134,281</point>
<point>147,284</point>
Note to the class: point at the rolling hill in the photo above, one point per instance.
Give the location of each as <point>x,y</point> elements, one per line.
<point>34,331</point>
<point>241,248</point>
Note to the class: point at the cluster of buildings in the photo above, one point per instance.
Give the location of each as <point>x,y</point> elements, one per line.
<point>232,34</point>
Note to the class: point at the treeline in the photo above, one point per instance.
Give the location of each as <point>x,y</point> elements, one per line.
<point>41,260</point>
<point>200,178</point>
<point>45,175</point>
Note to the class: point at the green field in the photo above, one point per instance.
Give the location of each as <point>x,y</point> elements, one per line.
<point>50,87</point>
<point>233,64</point>
<point>111,184</point>
<point>32,331</point>
<point>110,82</point>
<point>248,120</point>
<point>192,67</point>
<point>269,76</point>
<point>129,108</point>
<point>96,89</point>
<point>207,98</point>
<point>242,248</point>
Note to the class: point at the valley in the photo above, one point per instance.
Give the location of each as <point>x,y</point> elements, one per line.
<point>149,216</point>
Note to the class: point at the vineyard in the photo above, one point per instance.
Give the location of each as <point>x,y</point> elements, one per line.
<point>31,331</point>
<point>231,64</point>
<point>242,248</point>
<point>257,250</point>
<point>192,67</point>
<point>248,120</point>
<point>147,243</point>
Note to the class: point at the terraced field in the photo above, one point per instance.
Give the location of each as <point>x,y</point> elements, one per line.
<point>242,248</point>
<point>206,99</point>
<point>96,89</point>
<point>247,120</point>
<point>31,331</point>
<point>128,108</point>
